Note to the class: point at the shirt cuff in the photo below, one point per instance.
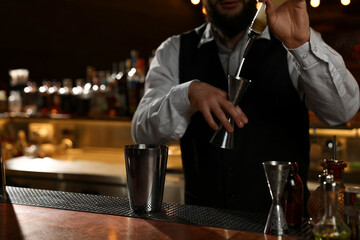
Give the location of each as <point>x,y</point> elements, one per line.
<point>182,104</point>
<point>307,55</point>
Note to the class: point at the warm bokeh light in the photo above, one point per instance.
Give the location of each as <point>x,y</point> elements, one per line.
<point>345,2</point>
<point>315,3</point>
<point>203,9</point>
<point>195,2</point>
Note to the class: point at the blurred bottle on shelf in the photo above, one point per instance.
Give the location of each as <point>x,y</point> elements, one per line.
<point>98,104</point>
<point>76,93</point>
<point>111,93</point>
<point>121,79</point>
<point>20,145</point>
<point>15,102</point>
<point>3,101</point>
<point>54,97</point>
<point>31,98</point>
<point>65,93</point>
<point>18,81</point>
<point>135,80</point>
<point>84,100</point>
<point>131,81</point>
<point>44,101</point>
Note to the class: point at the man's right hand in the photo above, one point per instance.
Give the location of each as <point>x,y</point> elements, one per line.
<point>209,99</point>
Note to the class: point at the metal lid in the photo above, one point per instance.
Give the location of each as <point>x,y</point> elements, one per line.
<point>329,184</point>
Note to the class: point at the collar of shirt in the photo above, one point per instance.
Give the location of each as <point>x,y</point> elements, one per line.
<point>230,59</point>
<point>208,36</point>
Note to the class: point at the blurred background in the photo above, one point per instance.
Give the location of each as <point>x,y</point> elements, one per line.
<point>58,39</point>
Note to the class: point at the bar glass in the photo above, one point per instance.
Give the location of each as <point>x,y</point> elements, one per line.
<point>145,171</point>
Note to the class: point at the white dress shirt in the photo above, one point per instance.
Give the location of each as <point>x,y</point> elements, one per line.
<point>317,72</point>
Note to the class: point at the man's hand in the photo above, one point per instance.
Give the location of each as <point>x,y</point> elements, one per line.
<point>289,23</point>
<point>209,99</point>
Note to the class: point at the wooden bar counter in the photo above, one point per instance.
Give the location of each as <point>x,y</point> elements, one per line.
<point>37,214</point>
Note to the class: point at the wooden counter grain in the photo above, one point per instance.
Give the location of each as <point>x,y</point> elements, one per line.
<point>28,223</point>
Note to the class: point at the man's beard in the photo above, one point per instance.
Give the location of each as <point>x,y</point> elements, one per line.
<point>230,26</point>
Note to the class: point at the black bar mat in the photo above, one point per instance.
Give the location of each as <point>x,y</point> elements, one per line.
<point>177,213</point>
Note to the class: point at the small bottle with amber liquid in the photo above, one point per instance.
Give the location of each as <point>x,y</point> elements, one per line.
<point>292,198</point>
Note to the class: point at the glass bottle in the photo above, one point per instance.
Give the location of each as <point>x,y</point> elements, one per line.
<point>54,94</point>
<point>132,81</point>
<point>3,101</point>
<point>45,98</point>
<point>121,79</point>
<point>315,204</point>
<point>31,98</point>
<point>259,22</point>
<point>66,96</point>
<point>292,198</point>
<point>15,102</point>
<point>336,167</point>
<point>331,225</point>
<point>76,93</point>
<point>111,93</point>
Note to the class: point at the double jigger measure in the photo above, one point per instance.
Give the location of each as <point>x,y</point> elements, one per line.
<point>276,173</point>
<point>236,89</point>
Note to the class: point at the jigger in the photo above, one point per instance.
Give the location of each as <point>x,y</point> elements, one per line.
<point>236,89</point>
<point>276,174</point>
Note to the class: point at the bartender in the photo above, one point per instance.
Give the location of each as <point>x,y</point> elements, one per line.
<point>292,71</point>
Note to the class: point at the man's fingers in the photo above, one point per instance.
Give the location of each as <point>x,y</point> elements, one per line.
<point>209,119</point>
<point>220,114</point>
<point>242,118</point>
<point>235,113</point>
<point>208,99</point>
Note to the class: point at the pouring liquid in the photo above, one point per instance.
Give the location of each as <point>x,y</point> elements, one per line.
<point>248,45</point>
<point>256,28</point>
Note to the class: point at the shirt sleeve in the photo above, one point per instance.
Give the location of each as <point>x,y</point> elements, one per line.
<point>164,111</point>
<point>329,89</point>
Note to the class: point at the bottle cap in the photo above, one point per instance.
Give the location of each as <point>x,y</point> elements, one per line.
<point>329,184</point>
<point>335,166</point>
<point>322,176</point>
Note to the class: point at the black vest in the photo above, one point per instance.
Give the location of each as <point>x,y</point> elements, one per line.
<point>278,128</point>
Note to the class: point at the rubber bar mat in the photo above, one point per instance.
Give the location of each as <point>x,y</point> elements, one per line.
<point>185,214</point>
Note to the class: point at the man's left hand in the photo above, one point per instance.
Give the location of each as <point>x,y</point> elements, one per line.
<point>289,23</point>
